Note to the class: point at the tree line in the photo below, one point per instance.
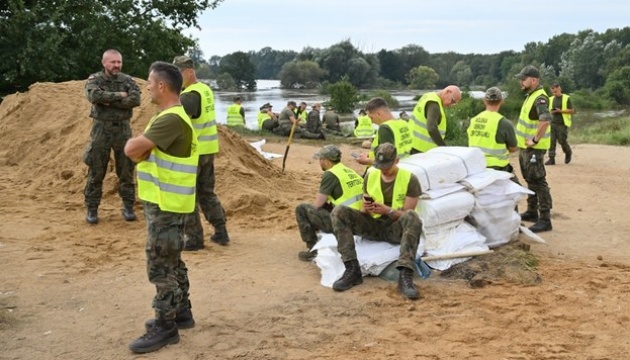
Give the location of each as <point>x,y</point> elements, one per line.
<point>63,40</point>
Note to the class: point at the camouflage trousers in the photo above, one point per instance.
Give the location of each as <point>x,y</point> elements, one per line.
<point>406,231</point>
<point>535,175</point>
<point>310,220</point>
<point>300,132</point>
<point>165,267</point>
<point>207,202</point>
<point>559,134</point>
<point>105,136</point>
<point>269,124</point>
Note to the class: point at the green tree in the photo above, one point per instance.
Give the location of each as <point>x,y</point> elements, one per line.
<point>583,62</point>
<point>343,95</point>
<point>64,39</point>
<point>305,74</point>
<point>241,69</point>
<point>618,86</point>
<point>391,66</point>
<point>226,82</point>
<point>462,74</point>
<point>269,62</point>
<point>422,77</point>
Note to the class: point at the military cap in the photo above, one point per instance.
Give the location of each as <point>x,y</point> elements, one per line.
<point>493,94</point>
<point>384,156</point>
<point>329,152</point>
<point>183,62</point>
<point>528,71</point>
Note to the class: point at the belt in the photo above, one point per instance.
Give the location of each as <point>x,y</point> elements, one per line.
<point>113,123</point>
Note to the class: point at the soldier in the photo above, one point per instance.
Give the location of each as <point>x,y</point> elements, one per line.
<point>561,111</point>
<point>532,134</point>
<point>198,101</point>
<point>363,125</point>
<point>332,122</point>
<point>313,121</point>
<point>236,113</point>
<point>340,186</point>
<point>287,118</point>
<point>493,133</point>
<point>267,119</point>
<point>113,95</point>
<point>388,214</point>
<point>390,130</point>
<point>428,119</point>
<point>167,176</point>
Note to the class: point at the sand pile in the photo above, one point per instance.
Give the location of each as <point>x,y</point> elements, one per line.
<point>44,132</point>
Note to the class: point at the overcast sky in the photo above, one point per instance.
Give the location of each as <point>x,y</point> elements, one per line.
<point>462,26</point>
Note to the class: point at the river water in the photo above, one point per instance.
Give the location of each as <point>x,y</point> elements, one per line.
<point>268,91</point>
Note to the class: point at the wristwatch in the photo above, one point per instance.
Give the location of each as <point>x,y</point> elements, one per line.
<point>534,140</point>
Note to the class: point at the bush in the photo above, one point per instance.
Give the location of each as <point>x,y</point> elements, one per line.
<point>387,96</point>
<point>343,95</point>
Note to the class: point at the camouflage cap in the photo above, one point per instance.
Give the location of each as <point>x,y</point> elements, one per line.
<point>183,62</point>
<point>528,71</point>
<point>493,94</point>
<point>384,156</point>
<point>329,152</point>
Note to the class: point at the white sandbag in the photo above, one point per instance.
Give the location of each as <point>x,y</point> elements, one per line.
<point>463,238</point>
<point>445,209</point>
<point>478,181</point>
<point>473,158</point>
<point>497,222</point>
<point>442,191</point>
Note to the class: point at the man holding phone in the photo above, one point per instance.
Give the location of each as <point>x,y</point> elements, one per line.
<point>388,214</point>
<point>340,187</point>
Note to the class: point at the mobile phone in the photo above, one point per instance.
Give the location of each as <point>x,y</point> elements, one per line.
<point>368,198</point>
<point>355,155</point>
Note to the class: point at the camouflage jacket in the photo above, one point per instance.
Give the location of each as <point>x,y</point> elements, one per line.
<point>103,92</point>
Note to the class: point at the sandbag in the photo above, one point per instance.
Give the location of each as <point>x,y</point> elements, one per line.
<point>445,209</point>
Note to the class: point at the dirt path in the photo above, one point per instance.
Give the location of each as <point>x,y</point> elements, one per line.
<point>73,291</point>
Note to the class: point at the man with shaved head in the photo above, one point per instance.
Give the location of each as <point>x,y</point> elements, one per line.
<point>113,96</point>
<point>428,120</point>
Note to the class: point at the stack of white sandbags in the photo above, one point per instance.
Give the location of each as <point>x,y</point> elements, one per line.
<point>496,197</point>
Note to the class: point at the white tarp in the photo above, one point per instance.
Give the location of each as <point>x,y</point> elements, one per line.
<point>267,155</point>
<point>461,239</point>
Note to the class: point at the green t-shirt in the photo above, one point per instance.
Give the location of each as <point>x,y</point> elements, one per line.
<point>171,134</point>
<point>385,135</point>
<point>558,119</point>
<point>505,133</point>
<point>191,101</point>
<point>413,189</point>
<point>286,114</point>
<point>330,185</point>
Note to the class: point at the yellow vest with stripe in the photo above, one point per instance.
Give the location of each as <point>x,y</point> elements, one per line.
<point>262,117</point>
<point>206,124</point>
<point>402,138</point>
<point>418,122</point>
<point>401,183</point>
<point>302,115</point>
<point>351,186</point>
<point>169,181</point>
<point>234,117</point>
<point>482,134</point>
<point>567,118</point>
<point>364,127</point>
<point>527,128</point>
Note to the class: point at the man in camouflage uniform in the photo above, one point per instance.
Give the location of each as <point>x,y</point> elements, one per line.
<point>113,95</point>
<point>533,139</point>
<point>388,214</point>
<point>340,186</point>
<point>167,159</point>
<point>561,111</point>
<point>287,118</point>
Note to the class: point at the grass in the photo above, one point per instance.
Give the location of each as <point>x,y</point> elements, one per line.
<point>606,131</point>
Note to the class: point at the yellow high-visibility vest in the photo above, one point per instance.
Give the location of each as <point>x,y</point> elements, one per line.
<point>418,122</point>
<point>567,118</point>
<point>169,181</point>
<point>400,188</point>
<point>262,117</point>
<point>527,128</point>
<point>351,185</point>
<point>234,117</point>
<point>206,124</point>
<point>364,127</point>
<point>482,134</point>
<point>402,138</point>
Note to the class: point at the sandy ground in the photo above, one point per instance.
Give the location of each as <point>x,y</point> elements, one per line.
<point>69,290</point>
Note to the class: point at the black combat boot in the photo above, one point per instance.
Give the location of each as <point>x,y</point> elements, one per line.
<point>529,215</point>
<point>543,224</point>
<point>183,319</point>
<point>567,157</point>
<point>406,285</point>
<point>308,255</point>
<point>193,246</point>
<point>351,277</point>
<point>92,216</point>
<point>162,333</point>
<point>220,235</point>
<point>551,161</point>
<point>128,213</point>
